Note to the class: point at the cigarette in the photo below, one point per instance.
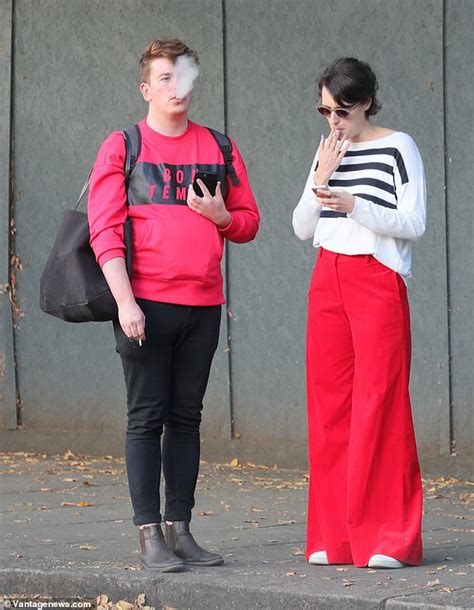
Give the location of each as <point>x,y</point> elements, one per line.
<point>139,342</point>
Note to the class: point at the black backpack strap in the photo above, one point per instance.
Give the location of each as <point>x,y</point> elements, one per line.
<point>133,145</point>
<point>225,146</point>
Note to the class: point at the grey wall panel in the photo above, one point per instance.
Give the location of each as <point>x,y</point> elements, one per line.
<point>76,79</point>
<point>460,160</point>
<point>8,409</point>
<point>275,52</point>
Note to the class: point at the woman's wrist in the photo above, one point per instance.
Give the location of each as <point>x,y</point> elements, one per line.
<point>320,178</point>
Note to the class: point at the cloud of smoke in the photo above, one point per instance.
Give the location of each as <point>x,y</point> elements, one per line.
<point>186,71</point>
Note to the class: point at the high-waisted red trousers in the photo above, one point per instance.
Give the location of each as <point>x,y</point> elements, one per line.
<point>365,494</point>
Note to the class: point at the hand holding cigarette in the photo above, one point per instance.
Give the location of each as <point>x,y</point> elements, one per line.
<point>330,154</point>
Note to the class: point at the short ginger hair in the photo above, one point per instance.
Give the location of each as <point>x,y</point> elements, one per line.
<point>171,48</point>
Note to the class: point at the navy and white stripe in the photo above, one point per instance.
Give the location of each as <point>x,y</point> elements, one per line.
<point>387,178</point>
<point>370,174</point>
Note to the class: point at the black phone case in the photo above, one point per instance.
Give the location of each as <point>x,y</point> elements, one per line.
<point>209,179</point>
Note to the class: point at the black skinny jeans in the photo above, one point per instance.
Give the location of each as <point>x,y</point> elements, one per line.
<point>166,380</point>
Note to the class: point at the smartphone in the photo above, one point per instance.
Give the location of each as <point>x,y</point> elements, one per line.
<point>210,180</point>
<point>318,187</point>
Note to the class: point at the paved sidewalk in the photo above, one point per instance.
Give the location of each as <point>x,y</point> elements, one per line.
<point>66,532</point>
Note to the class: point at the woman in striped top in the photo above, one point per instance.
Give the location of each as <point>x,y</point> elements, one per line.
<point>364,203</point>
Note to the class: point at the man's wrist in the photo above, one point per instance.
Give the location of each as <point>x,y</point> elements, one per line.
<point>125,300</point>
<point>225,220</point>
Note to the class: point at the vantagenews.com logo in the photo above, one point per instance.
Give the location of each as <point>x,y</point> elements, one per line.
<point>7,603</point>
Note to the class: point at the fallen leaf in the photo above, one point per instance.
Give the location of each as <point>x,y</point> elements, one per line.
<point>205,513</point>
<point>447,589</point>
<point>123,605</point>
<point>433,583</point>
<point>235,463</point>
<point>88,547</point>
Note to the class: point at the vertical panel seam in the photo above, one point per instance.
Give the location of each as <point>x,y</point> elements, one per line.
<point>11,233</point>
<point>12,413</point>
<point>228,248</point>
<point>452,440</point>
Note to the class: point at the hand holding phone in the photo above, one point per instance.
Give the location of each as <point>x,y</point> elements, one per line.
<point>210,179</point>
<point>321,191</point>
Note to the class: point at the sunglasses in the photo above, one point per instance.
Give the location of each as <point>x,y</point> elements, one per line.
<point>342,113</point>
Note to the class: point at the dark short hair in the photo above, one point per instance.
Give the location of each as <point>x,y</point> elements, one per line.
<point>351,81</point>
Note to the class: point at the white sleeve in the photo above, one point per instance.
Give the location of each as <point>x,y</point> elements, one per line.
<point>408,220</point>
<point>306,214</point>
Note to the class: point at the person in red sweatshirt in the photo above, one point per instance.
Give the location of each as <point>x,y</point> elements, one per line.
<point>169,310</point>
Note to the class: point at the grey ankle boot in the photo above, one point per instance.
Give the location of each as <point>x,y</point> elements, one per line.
<point>180,540</point>
<point>154,553</point>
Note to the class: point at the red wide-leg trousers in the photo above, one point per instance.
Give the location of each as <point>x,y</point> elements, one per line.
<point>365,494</point>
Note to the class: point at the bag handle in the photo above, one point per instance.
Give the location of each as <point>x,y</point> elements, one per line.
<point>133,145</point>
<point>83,190</point>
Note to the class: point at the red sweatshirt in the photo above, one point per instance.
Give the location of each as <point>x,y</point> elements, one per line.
<point>176,252</point>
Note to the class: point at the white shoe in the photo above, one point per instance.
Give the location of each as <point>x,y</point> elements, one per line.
<point>384,561</point>
<point>319,558</point>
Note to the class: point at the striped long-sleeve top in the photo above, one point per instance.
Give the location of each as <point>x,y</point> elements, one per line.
<point>387,178</point>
